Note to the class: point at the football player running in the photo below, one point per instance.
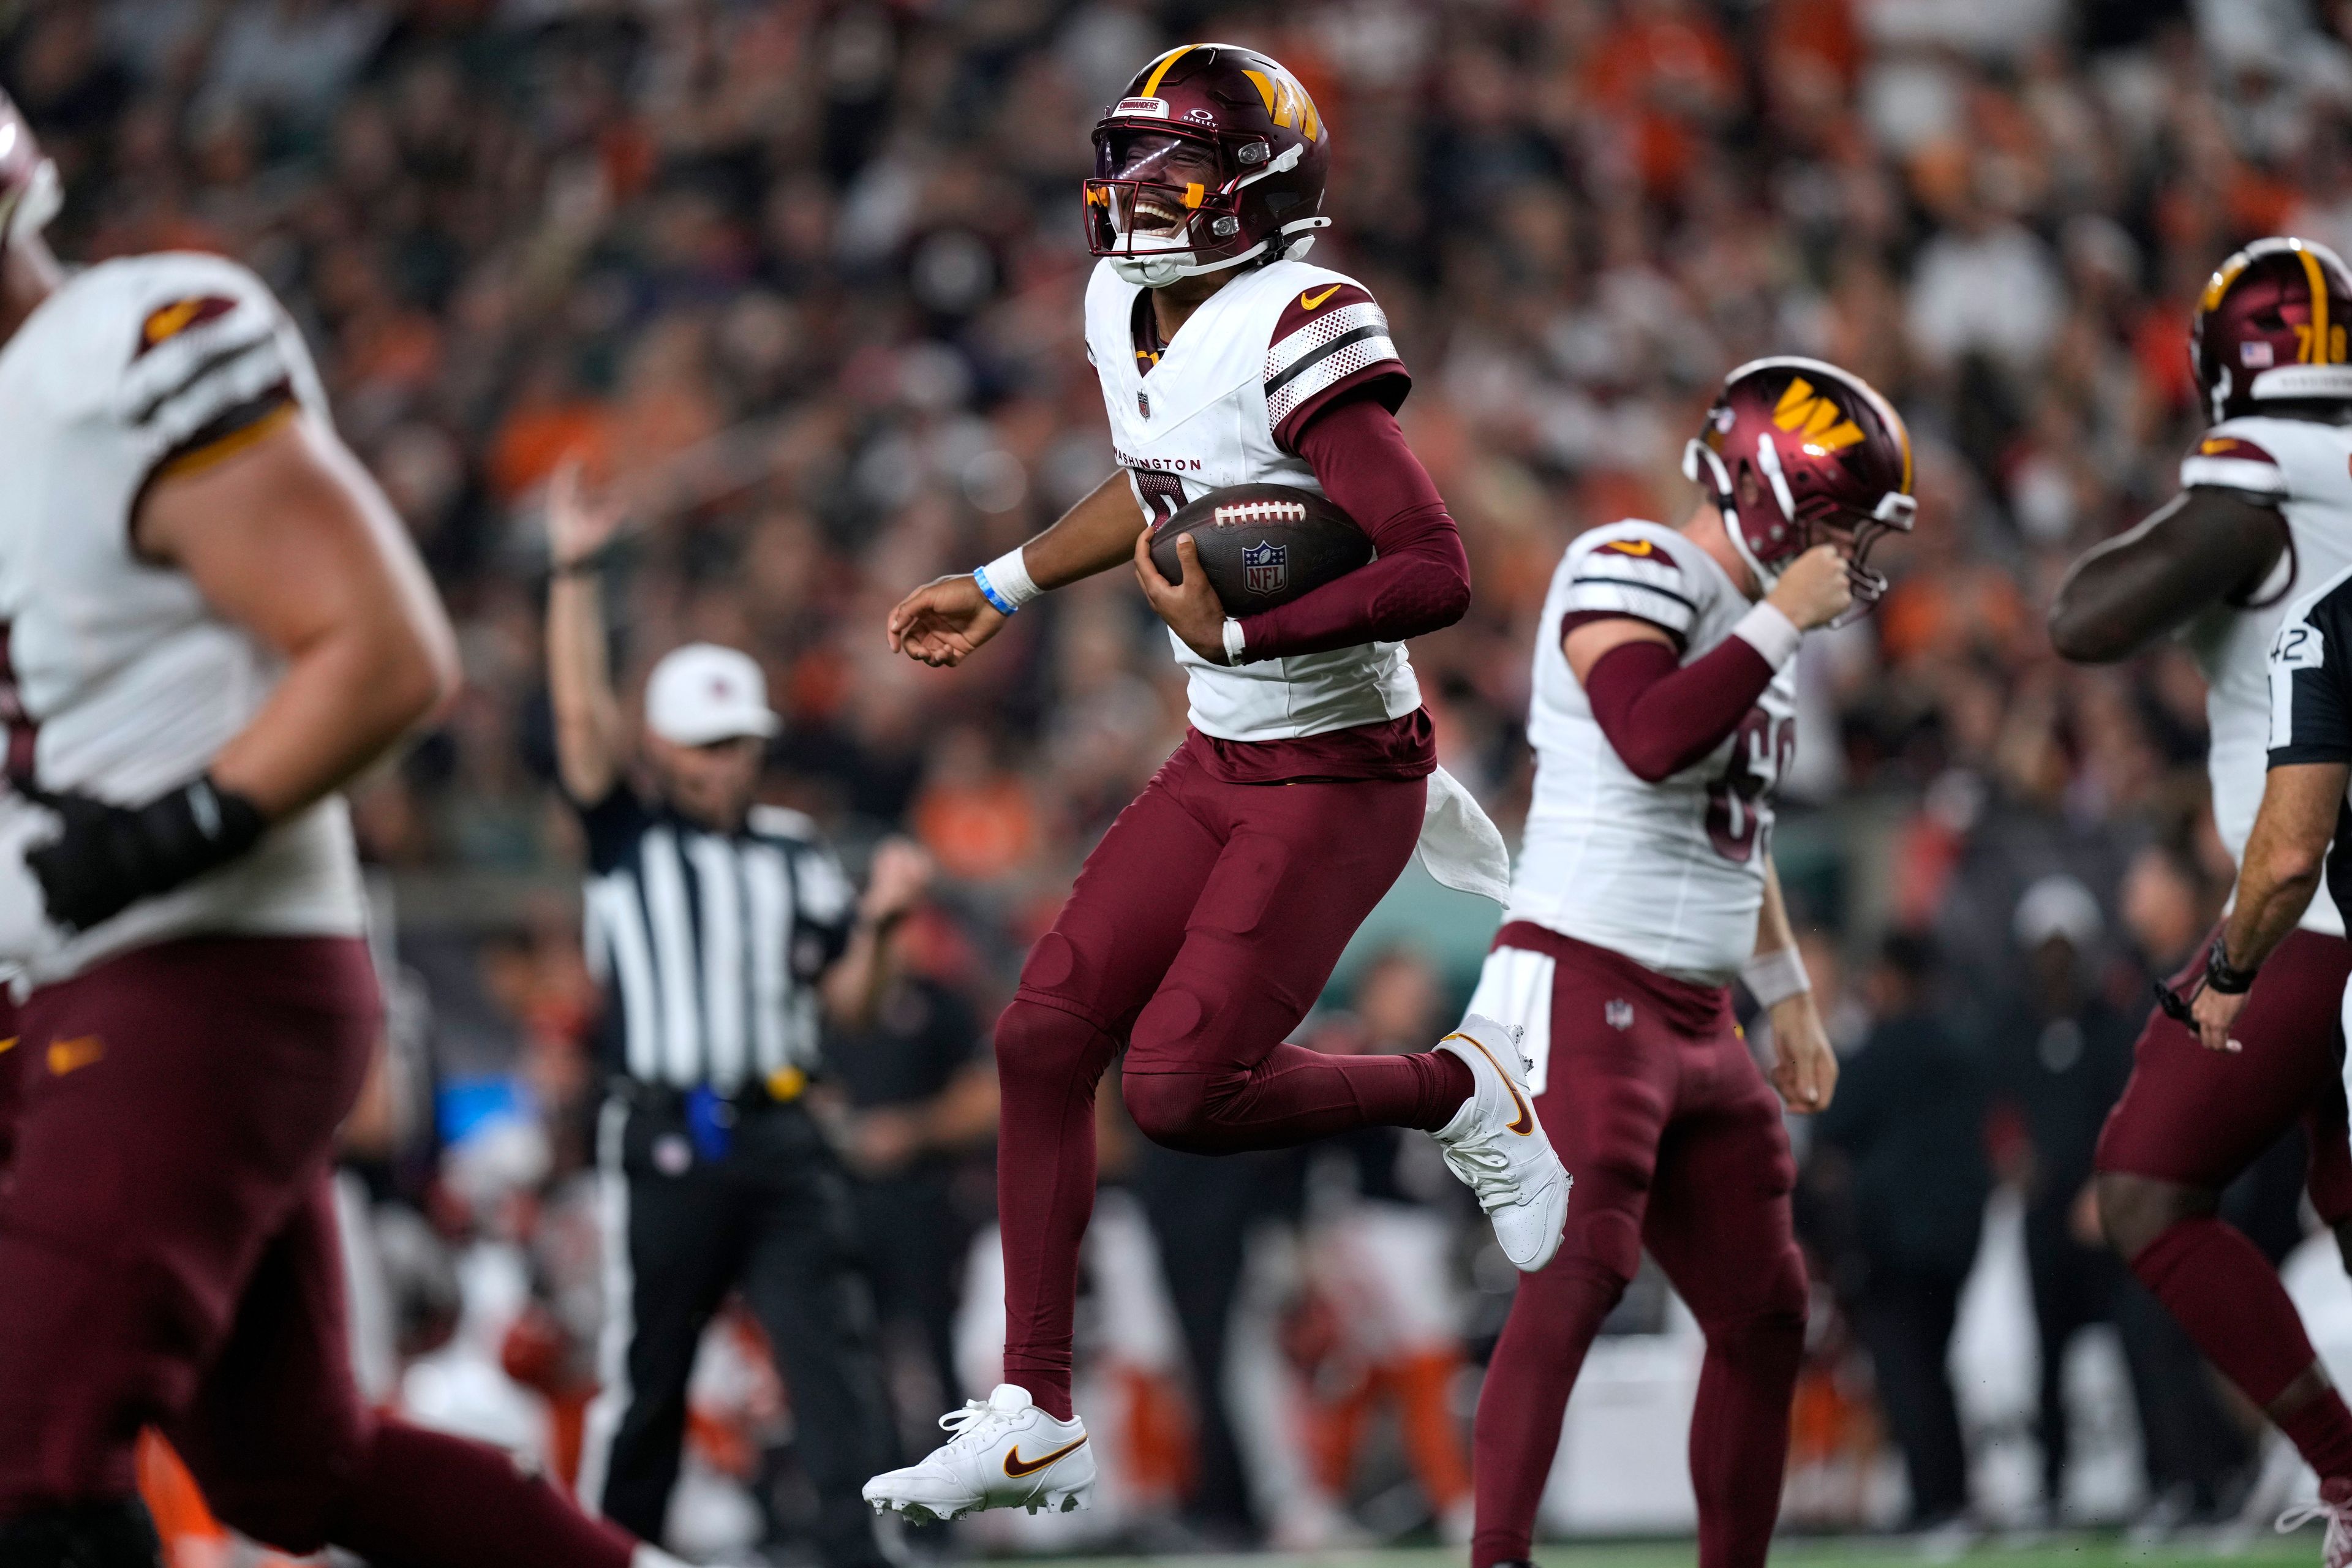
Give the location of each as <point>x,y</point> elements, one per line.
<point>1205,924</point>
<point>1662,717</point>
<point>210,619</point>
<point>2264,512</point>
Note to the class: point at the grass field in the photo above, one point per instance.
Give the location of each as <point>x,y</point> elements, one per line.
<point>2087,1551</point>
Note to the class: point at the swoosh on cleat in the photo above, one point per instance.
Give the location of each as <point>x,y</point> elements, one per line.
<point>1017,1467</point>
<point>1525,1122</point>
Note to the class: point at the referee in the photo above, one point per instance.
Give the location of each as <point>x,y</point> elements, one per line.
<point>723,931</point>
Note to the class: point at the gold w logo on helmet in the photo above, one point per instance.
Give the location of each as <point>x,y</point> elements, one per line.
<point>1286,102</point>
<point>1815,417</point>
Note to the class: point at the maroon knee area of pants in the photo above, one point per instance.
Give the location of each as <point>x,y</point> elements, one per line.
<point>1046,1043</point>
<point>422,1497</point>
<point>2224,1292</point>
<point>1612,1242</point>
<point>1173,1109</point>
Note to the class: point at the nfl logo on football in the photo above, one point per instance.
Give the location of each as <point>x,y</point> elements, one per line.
<point>1265,567</point>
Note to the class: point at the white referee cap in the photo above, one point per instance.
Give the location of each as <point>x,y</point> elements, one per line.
<point>701,693</point>
<point>2057,906</point>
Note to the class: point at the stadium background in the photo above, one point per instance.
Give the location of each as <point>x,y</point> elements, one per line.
<point>803,277</point>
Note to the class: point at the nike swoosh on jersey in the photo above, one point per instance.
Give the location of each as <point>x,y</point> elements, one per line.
<point>1017,1467</point>
<point>1631,547</point>
<point>1525,1122</point>
<point>1309,301</point>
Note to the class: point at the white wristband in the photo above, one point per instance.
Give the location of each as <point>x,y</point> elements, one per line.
<point>1009,576</point>
<point>1234,643</point>
<point>1776,976</point>
<point>1763,629</point>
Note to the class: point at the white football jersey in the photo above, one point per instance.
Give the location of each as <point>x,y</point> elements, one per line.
<point>117,679</point>
<point>1259,352</point>
<point>2304,467</point>
<point>1671,874</point>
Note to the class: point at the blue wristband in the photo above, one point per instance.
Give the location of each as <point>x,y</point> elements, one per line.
<point>988,590</point>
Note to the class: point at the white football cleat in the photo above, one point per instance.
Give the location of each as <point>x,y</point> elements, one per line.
<point>1006,1453</point>
<point>1497,1147</point>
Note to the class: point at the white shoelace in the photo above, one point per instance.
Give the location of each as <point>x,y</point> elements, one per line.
<point>2336,1545</point>
<point>971,1427</point>
<point>1487,1170</point>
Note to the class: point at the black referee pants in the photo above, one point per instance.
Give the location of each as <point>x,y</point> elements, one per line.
<point>772,1217</point>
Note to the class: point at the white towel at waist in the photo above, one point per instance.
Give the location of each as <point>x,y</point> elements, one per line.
<point>1460,846</point>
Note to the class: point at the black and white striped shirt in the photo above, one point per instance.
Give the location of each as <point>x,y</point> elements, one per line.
<point>709,945</point>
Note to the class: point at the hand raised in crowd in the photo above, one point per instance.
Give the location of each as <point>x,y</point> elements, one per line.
<point>578,526</point>
<point>1814,590</point>
<point>900,876</point>
<point>1191,609</point>
<point>944,621</point>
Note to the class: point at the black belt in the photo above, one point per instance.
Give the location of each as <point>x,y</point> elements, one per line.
<point>786,1086</point>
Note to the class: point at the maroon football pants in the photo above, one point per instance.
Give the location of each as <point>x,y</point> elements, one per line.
<point>1198,932</point>
<point>2196,1118</point>
<point>1652,1102</point>
<point>168,1256</point>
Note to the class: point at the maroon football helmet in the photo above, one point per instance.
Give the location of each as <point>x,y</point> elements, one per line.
<point>1798,453</point>
<point>2270,327</point>
<point>1214,156</point>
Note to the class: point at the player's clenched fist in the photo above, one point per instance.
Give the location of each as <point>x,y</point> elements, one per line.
<point>1816,588</point>
<point>944,621</point>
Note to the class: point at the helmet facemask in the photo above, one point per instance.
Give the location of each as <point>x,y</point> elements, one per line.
<point>1165,203</point>
<point>1822,521</point>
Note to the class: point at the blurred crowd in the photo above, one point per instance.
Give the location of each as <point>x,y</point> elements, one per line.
<point>801,279</point>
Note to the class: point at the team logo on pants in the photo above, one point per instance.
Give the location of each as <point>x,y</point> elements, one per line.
<point>1265,567</point>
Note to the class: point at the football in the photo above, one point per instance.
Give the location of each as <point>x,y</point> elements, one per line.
<point>1263,545</point>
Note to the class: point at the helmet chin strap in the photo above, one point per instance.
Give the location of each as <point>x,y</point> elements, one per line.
<point>1702,467</point>
<point>1158,271</point>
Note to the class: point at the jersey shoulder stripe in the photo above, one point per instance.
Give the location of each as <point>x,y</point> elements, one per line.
<point>211,356</point>
<point>1632,569</point>
<point>1330,335</point>
<point>2229,460</point>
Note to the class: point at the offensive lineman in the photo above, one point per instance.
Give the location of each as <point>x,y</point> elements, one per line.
<point>1205,923</point>
<point>1662,717</point>
<point>2265,505</point>
<point>210,620</point>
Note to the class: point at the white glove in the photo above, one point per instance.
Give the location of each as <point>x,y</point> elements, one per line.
<point>27,933</point>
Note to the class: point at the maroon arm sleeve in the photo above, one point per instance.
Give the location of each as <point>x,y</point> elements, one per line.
<point>1661,716</point>
<point>1421,579</point>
